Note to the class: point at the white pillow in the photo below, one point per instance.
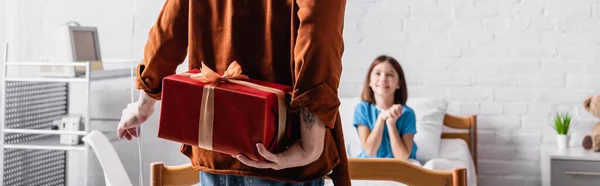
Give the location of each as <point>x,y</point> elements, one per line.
<point>429,113</point>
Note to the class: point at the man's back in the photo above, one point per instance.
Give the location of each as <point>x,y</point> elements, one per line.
<point>293,42</point>
<point>254,33</point>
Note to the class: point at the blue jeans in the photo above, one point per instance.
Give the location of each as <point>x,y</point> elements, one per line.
<point>208,179</point>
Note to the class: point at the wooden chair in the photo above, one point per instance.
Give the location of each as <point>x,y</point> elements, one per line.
<point>162,175</point>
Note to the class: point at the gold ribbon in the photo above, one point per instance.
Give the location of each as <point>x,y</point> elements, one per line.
<point>233,74</point>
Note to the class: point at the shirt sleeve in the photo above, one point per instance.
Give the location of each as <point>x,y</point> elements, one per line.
<point>317,56</point>
<point>360,115</point>
<point>165,49</point>
<point>408,123</point>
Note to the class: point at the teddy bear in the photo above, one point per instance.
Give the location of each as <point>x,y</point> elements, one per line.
<point>591,141</point>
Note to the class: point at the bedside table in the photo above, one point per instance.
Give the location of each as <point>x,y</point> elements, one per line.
<point>571,166</point>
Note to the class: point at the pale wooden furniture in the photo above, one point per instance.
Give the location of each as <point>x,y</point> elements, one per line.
<point>468,123</point>
<point>161,175</point>
<point>570,166</point>
<point>361,168</point>
<point>384,169</point>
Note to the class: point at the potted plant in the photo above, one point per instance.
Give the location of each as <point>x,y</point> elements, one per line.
<point>562,123</point>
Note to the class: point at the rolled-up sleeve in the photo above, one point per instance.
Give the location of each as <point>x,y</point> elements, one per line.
<point>317,58</point>
<point>165,49</point>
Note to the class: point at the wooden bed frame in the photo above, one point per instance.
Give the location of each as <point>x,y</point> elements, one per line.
<point>468,123</point>
<point>404,172</point>
<point>382,169</point>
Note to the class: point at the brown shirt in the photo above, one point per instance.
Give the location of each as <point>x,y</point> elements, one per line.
<point>292,42</point>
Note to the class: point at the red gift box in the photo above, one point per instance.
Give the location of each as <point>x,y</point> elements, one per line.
<point>225,113</point>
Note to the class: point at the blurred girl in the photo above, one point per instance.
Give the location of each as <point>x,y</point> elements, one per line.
<point>385,125</point>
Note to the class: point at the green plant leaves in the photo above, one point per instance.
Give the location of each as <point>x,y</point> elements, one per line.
<point>562,122</point>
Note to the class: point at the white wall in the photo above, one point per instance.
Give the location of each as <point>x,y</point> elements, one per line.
<point>510,62</point>
<point>49,20</point>
<point>2,36</point>
<point>2,39</point>
<point>2,28</point>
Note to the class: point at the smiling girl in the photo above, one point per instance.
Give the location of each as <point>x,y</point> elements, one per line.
<point>385,125</point>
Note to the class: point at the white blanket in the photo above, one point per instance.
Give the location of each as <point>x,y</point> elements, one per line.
<point>454,153</point>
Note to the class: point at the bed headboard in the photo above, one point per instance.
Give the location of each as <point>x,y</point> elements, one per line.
<point>469,124</point>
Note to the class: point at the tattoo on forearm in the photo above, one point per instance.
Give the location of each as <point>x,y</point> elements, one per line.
<point>144,100</point>
<point>308,118</point>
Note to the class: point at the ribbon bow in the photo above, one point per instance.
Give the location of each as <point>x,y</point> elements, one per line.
<point>207,75</point>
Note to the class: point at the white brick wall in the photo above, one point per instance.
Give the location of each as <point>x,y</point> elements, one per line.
<point>513,63</point>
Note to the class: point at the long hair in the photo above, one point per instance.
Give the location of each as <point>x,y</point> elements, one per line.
<point>400,95</point>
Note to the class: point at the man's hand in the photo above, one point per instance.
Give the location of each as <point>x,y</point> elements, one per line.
<point>303,152</point>
<point>134,115</point>
<point>294,156</point>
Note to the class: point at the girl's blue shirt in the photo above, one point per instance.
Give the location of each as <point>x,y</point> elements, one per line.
<point>366,114</point>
